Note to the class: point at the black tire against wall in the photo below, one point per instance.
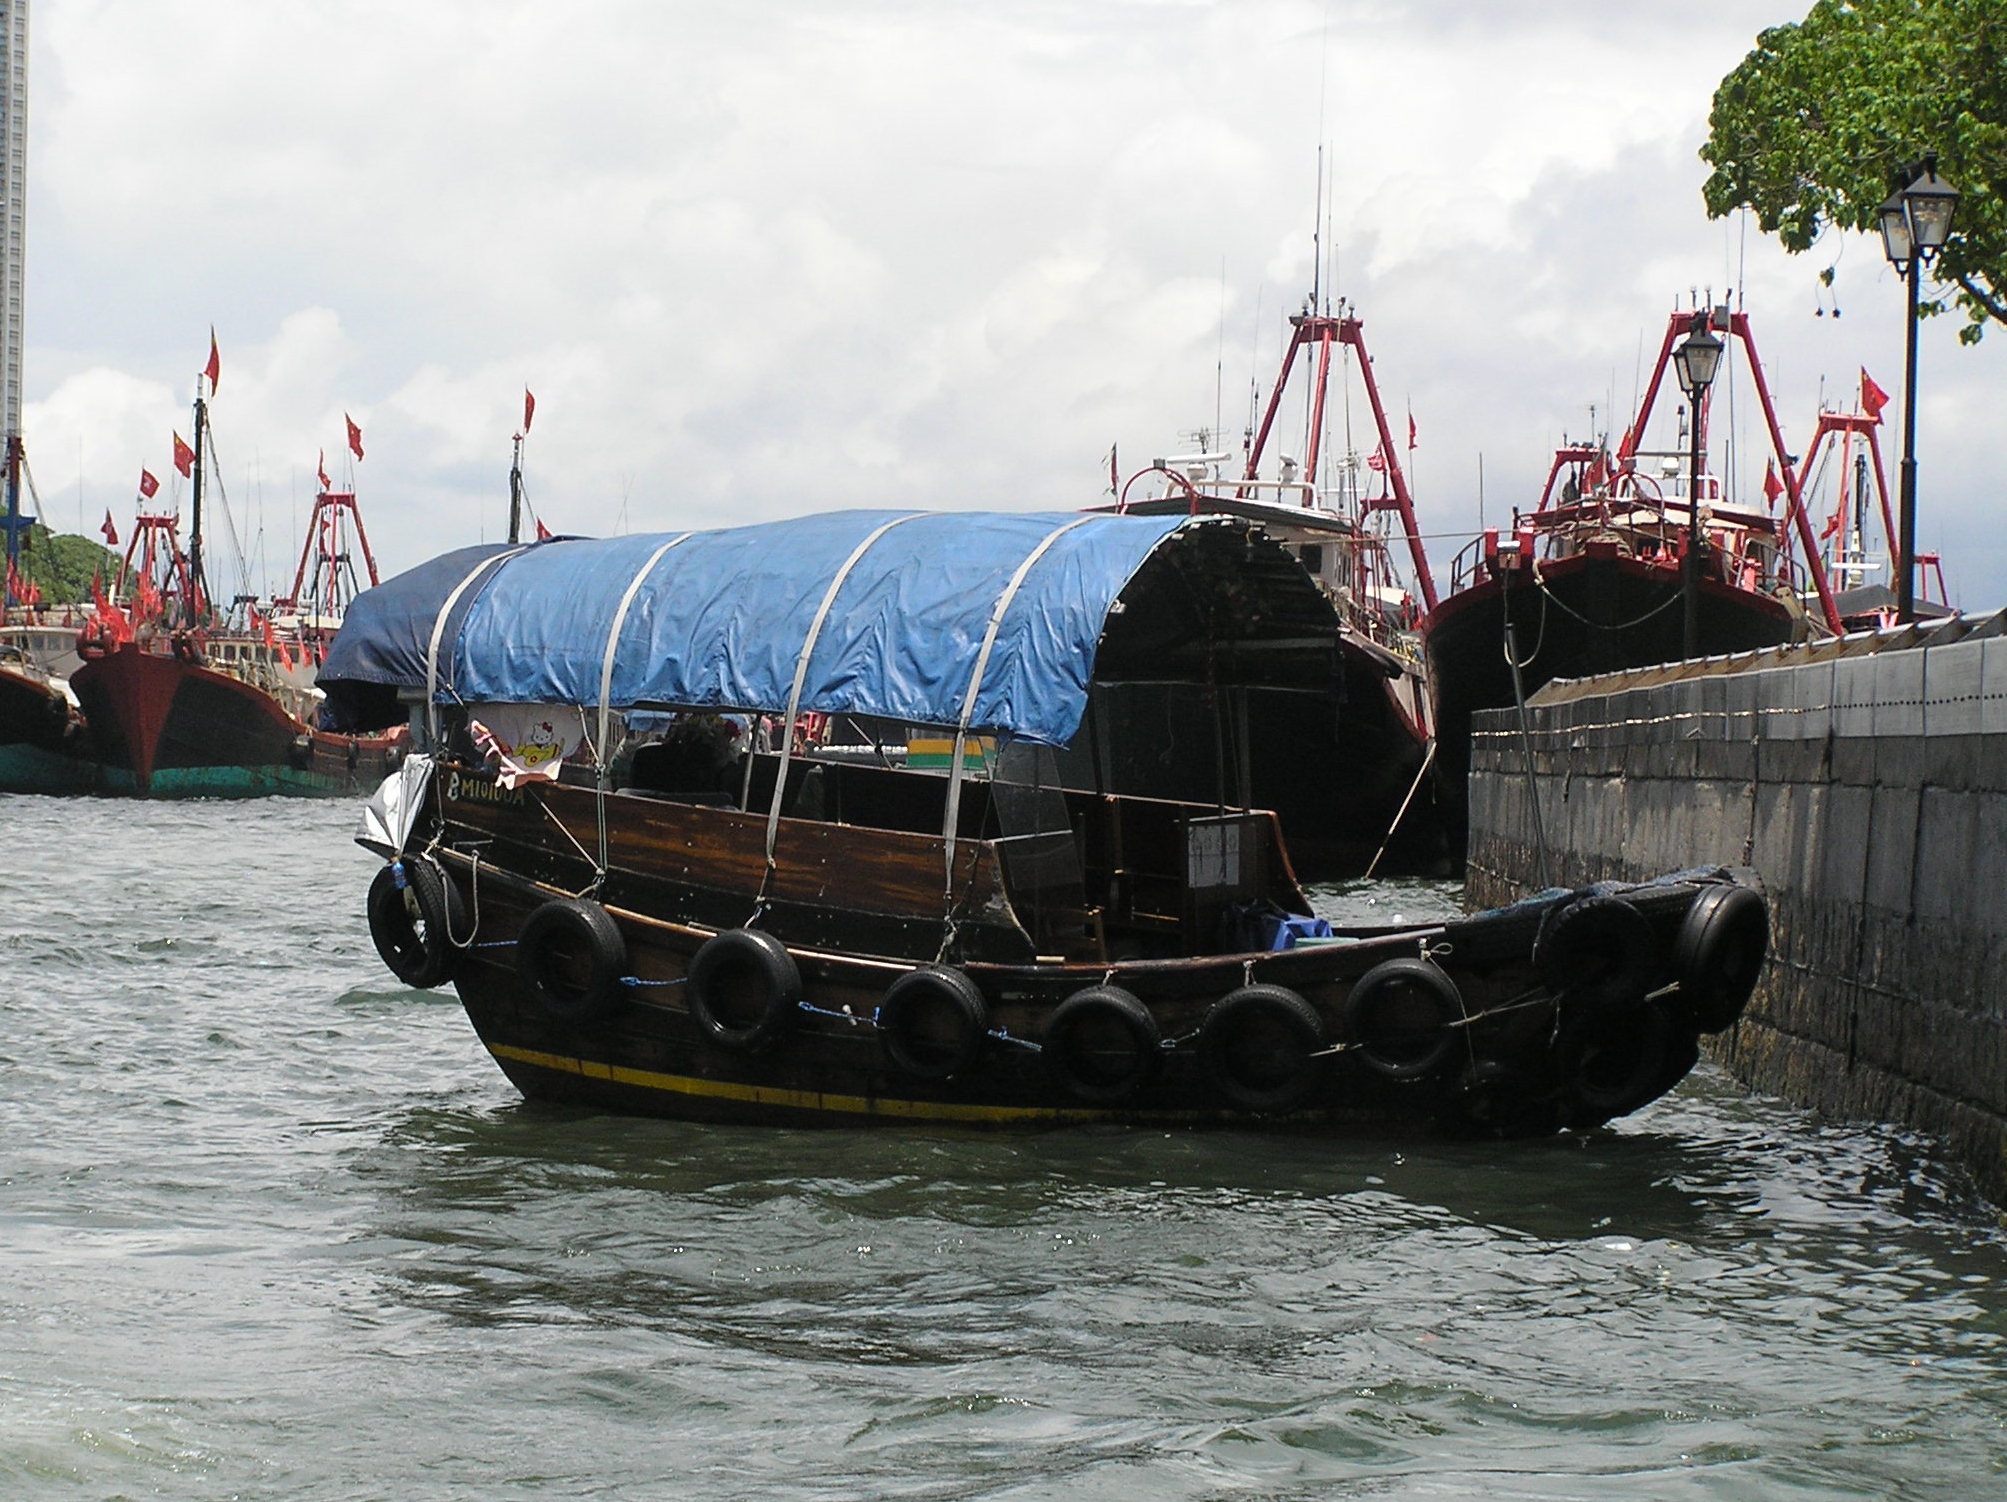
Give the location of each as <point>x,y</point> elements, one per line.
<point>1615,1060</point>
<point>412,924</point>
<point>743,989</point>
<point>932,1022</point>
<point>1102,1045</point>
<point>1718,955</point>
<point>1263,1048</point>
<point>570,957</point>
<point>1597,949</point>
<point>1400,1016</point>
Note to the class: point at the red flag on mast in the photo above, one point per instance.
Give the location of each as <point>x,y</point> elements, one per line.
<point>184,457</point>
<point>1411,430</point>
<point>215,366</point>
<point>111,532</point>
<point>529,408</point>
<point>354,435</point>
<point>1772,486</point>
<point>148,487</point>
<point>321,469</point>
<point>543,532</point>
<point>1873,398</point>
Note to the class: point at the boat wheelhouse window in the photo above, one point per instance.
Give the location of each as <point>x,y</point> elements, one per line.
<point>1312,554</point>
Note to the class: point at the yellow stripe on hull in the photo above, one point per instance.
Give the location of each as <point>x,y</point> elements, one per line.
<point>807,1100</point>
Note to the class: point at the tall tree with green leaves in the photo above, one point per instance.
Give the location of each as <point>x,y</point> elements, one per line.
<point>63,566</point>
<point>1810,129</point>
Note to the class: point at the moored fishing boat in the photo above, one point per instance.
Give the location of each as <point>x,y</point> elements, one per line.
<point>1595,578</point>
<point>183,700</point>
<point>1342,765</point>
<point>43,748</point>
<point>693,926</point>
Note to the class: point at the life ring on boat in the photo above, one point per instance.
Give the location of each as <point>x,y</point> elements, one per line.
<point>414,909</point>
<point>1401,1017</point>
<point>1263,1048</point>
<point>1597,948</point>
<point>1102,1045</point>
<point>932,1022</point>
<point>743,989</point>
<point>1615,1059</point>
<point>1719,953</point>
<point>570,957</point>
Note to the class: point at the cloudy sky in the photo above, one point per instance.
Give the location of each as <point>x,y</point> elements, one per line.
<point>787,255</point>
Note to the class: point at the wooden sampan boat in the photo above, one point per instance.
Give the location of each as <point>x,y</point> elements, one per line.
<point>841,932</point>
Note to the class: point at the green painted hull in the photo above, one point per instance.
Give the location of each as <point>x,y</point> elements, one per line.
<point>227,782</point>
<point>31,769</point>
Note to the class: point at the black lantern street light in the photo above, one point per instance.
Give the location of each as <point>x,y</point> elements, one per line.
<point>1696,361</point>
<point>1915,223</point>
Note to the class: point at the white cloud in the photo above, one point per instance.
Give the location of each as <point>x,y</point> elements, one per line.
<point>768,257</point>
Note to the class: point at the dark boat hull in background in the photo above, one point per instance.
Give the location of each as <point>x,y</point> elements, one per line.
<point>1575,618</point>
<point>161,726</point>
<point>43,745</point>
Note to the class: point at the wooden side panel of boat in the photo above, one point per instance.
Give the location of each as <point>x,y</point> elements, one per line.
<point>682,874</point>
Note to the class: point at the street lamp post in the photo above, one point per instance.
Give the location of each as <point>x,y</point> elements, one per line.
<point>1915,223</point>
<point>1696,361</point>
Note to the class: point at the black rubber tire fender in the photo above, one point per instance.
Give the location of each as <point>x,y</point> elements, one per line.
<point>1102,1045</point>
<point>1615,1060</point>
<point>1597,948</point>
<point>1718,954</point>
<point>1400,1017</point>
<point>570,957</point>
<point>412,921</point>
<point>1263,1048</point>
<point>743,989</point>
<point>932,1022</point>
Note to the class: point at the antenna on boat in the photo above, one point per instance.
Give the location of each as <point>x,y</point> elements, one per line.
<point>14,213</point>
<point>1317,222</point>
<point>516,470</point>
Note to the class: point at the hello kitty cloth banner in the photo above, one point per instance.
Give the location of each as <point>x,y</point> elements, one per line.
<point>525,742</point>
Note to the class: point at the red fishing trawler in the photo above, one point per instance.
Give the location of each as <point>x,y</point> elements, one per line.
<point>184,700</point>
<point>1343,766</point>
<point>1625,561</point>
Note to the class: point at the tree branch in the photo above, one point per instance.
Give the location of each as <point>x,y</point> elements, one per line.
<point>1995,309</point>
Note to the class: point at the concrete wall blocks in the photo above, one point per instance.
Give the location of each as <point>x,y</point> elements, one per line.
<point>1854,697</point>
<point>1870,793</point>
<point>1952,686</point>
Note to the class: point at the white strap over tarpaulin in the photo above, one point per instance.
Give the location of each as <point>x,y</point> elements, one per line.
<point>801,671</point>
<point>982,663</point>
<point>438,631</point>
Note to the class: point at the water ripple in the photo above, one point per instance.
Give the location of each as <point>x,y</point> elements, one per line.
<point>273,1225</point>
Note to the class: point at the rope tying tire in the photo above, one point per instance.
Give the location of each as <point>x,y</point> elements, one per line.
<point>1401,1017</point>
<point>1262,1047</point>
<point>413,910</point>
<point>570,958</point>
<point>744,988</point>
<point>1597,949</point>
<point>1102,1045</point>
<point>1718,955</point>
<point>932,1022</point>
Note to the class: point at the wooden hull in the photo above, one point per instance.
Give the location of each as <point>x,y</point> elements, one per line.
<point>1587,615</point>
<point>679,875</point>
<point>162,727</point>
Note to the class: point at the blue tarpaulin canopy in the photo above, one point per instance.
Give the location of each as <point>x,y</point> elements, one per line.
<point>899,605</point>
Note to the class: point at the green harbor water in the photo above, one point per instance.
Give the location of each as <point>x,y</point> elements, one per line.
<point>273,1226</point>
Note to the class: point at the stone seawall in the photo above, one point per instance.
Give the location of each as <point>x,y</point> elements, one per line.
<point>1866,781</point>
